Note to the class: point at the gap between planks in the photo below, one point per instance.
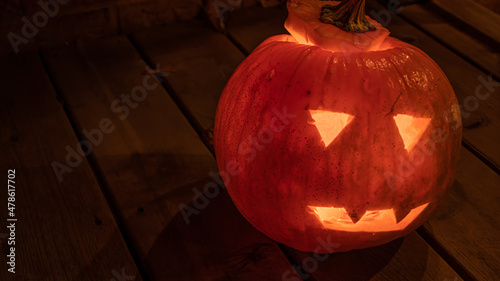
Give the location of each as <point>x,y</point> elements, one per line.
<point>146,177</point>
<point>101,180</point>
<point>58,210</point>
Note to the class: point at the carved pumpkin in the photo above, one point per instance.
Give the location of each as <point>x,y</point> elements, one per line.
<point>333,135</point>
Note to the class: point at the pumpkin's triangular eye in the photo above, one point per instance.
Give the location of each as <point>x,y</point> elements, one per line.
<point>330,124</point>
<point>411,129</point>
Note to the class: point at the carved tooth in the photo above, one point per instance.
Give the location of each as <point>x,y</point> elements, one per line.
<point>355,214</point>
<point>401,212</point>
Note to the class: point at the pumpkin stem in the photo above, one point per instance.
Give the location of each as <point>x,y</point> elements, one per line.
<point>348,15</point>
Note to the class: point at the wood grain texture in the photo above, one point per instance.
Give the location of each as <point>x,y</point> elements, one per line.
<point>415,260</point>
<point>248,33</point>
<point>65,230</point>
<point>217,244</point>
<point>152,162</point>
<point>493,5</point>
<point>451,227</point>
<point>476,15</point>
<point>426,18</point>
<point>197,73</point>
<point>466,225</point>
<point>409,258</point>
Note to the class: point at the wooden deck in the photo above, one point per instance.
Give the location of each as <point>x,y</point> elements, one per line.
<point>114,215</point>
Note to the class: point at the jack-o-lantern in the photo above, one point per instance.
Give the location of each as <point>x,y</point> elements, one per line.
<point>337,132</point>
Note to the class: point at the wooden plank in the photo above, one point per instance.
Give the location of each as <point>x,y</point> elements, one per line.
<point>152,162</point>
<point>474,14</point>
<point>396,266</point>
<point>408,258</point>
<point>247,33</point>
<point>220,244</point>
<point>467,226</point>
<point>428,19</point>
<point>65,229</point>
<point>208,67</point>
<point>493,5</point>
<point>471,248</point>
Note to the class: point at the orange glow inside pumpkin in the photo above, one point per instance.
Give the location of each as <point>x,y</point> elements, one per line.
<point>330,124</point>
<point>303,24</point>
<point>411,129</point>
<point>372,221</point>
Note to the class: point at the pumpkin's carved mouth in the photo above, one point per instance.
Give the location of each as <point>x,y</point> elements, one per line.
<point>372,221</point>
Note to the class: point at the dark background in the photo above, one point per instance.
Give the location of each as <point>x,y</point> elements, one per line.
<point>115,215</point>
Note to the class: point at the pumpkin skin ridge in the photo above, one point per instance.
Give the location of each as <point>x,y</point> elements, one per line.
<point>290,232</point>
